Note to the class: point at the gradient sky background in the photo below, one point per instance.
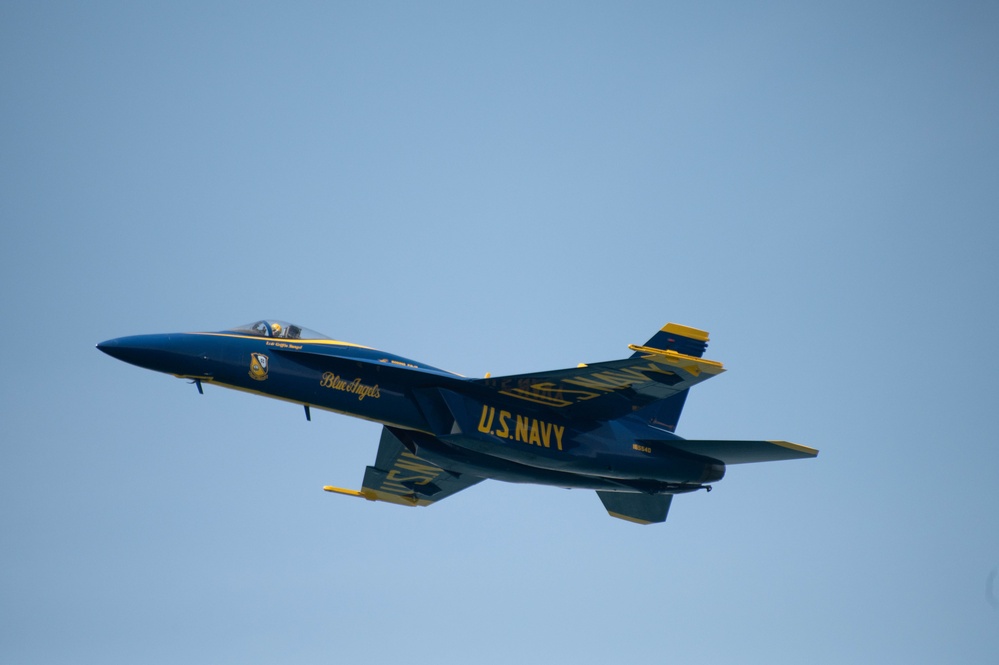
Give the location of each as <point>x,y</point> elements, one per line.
<point>502,188</point>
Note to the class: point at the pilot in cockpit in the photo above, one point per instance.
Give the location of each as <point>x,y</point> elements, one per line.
<point>278,329</point>
<point>261,328</point>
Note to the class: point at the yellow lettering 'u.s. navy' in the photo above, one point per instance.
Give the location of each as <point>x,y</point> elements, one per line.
<point>532,431</point>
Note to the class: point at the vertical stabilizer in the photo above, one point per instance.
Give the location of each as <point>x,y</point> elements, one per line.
<point>682,339</point>
<point>638,508</point>
<point>686,341</point>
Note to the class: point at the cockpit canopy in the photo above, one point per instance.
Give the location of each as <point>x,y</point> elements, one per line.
<point>278,330</point>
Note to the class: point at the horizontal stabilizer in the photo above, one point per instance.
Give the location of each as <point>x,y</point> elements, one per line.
<point>743,452</point>
<point>638,508</point>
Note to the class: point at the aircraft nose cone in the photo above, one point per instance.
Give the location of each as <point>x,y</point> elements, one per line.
<point>112,347</point>
<point>128,349</point>
<point>173,354</point>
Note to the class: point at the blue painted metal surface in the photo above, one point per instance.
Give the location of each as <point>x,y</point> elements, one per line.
<point>606,426</point>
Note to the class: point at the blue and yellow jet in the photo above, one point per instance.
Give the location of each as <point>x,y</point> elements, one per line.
<point>605,426</point>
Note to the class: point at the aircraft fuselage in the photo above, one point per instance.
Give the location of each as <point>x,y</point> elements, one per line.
<point>501,437</point>
<point>604,426</point>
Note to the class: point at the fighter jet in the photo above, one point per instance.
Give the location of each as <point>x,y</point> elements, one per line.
<point>605,426</point>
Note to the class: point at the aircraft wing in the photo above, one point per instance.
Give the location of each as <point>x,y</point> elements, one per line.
<point>607,390</point>
<point>403,478</point>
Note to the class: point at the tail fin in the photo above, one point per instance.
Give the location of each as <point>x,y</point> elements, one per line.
<point>682,339</point>
<point>686,341</point>
<point>638,508</point>
<point>665,413</point>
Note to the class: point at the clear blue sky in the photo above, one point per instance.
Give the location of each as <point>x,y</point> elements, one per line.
<point>501,188</point>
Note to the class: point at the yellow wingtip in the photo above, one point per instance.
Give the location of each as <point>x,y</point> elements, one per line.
<point>347,492</point>
<point>797,447</point>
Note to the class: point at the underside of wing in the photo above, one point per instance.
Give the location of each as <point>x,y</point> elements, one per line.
<point>401,477</point>
<point>607,390</point>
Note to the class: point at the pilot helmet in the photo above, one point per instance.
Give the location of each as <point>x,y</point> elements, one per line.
<point>275,330</point>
